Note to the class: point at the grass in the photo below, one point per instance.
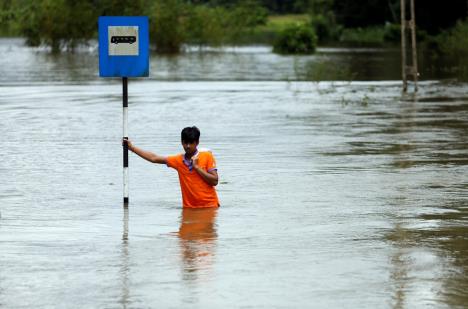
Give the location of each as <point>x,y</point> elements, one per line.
<point>266,34</point>
<point>279,22</point>
<point>365,36</point>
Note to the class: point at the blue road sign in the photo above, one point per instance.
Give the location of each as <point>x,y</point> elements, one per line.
<point>123,46</point>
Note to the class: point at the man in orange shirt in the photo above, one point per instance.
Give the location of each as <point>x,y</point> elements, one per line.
<point>196,167</point>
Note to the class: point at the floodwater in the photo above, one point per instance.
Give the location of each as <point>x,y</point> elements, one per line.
<point>338,194</point>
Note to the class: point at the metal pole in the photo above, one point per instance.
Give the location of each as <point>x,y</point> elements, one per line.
<point>413,44</point>
<point>403,44</point>
<point>125,136</point>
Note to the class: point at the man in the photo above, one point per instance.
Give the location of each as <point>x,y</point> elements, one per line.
<point>196,167</point>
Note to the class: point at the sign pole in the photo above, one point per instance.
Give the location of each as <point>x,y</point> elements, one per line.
<point>124,53</point>
<point>125,136</point>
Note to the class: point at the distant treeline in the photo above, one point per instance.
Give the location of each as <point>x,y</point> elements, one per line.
<point>67,23</point>
<point>431,15</point>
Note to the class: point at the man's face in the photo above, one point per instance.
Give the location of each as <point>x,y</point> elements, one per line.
<point>190,148</point>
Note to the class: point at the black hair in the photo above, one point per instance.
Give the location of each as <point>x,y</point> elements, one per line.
<point>190,135</point>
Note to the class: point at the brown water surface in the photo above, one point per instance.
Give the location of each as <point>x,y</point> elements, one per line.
<point>335,194</point>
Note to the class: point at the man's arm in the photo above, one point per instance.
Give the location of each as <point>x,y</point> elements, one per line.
<point>147,155</point>
<point>210,178</point>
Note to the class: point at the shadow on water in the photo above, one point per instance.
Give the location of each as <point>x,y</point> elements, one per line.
<point>197,235</point>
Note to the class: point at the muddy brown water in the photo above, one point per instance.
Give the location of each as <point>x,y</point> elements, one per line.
<point>338,194</point>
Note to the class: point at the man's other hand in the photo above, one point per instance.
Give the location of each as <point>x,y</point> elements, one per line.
<point>128,142</point>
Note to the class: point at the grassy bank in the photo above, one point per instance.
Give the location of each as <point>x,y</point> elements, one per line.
<point>362,36</point>
<point>369,36</point>
<point>267,33</point>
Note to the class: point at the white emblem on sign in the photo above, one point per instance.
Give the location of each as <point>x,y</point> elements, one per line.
<point>123,40</point>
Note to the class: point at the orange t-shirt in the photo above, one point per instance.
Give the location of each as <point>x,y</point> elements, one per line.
<point>196,193</point>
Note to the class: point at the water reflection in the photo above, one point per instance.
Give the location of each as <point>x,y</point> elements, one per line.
<point>197,235</point>
<point>351,64</point>
<point>431,252</point>
<point>124,268</point>
<point>30,65</point>
<point>399,275</point>
<point>428,260</point>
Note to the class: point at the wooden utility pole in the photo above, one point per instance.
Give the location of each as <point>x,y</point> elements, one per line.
<point>411,70</point>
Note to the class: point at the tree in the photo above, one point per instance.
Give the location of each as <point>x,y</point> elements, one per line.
<point>168,25</point>
<point>431,15</point>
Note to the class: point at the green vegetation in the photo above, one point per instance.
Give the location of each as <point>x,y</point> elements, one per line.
<point>454,42</point>
<point>176,22</point>
<point>280,22</point>
<point>451,47</point>
<point>57,22</point>
<point>66,23</point>
<point>373,36</point>
<point>392,33</point>
<point>363,36</point>
<point>326,28</point>
<point>6,17</point>
<point>167,25</point>
<point>268,32</point>
<point>63,24</point>
<point>296,39</point>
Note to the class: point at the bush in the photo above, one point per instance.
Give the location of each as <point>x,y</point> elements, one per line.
<point>454,43</point>
<point>363,36</point>
<point>325,28</point>
<point>296,39</point>
<point>268,32</point>
<point>450,48</point>
<point>392,33</point>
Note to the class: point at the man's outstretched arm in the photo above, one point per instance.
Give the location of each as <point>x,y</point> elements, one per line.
<point>147,155</point>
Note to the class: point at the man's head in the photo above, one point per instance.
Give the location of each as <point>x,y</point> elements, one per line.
<point>190,137</point>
